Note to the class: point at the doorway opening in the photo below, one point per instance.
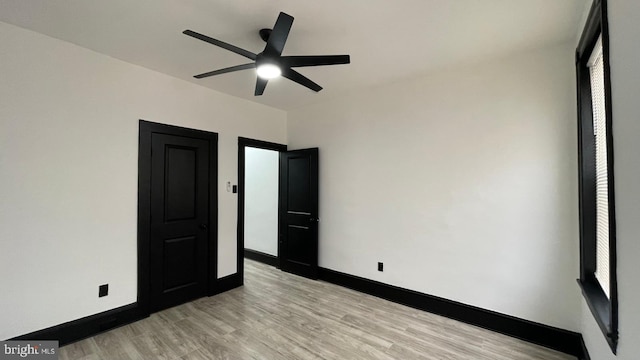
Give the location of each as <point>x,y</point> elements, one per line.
<point>258,201</point>
<point>278,207</point>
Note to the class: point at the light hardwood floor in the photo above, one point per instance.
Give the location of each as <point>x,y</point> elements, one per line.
<point>281,316</point>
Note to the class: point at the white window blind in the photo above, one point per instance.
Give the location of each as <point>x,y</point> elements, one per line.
<point>596,69</point>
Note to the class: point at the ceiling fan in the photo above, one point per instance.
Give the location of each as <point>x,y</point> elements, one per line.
<point>270,63</point>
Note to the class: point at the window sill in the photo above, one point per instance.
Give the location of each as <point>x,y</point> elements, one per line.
<point>600,307</point>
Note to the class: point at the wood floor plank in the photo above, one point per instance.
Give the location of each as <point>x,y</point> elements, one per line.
<point>151,346</point>
<point>82,349</point>
<point>276,315</point>
<point>116,345</point>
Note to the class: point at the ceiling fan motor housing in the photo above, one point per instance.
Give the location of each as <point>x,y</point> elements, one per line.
<point>262,59</point>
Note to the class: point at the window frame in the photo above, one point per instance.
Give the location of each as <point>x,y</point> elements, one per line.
<point>603,308</point>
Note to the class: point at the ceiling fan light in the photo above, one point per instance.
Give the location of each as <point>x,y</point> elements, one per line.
<point>268,71</point>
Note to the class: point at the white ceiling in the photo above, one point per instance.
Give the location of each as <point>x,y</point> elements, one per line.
<point>387,40</point>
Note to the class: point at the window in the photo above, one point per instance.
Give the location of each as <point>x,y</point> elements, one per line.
<point>596,73</point>
<point>595,156</point>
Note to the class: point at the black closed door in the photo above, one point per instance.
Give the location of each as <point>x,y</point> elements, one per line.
<point>179,230</point>
<point>298,230</point>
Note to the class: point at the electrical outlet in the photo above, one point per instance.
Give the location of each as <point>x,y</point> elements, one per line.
<point>380,266</point>
<point>103,290</point>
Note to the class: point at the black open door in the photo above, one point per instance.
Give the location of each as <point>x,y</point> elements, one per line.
<point>298,229</point>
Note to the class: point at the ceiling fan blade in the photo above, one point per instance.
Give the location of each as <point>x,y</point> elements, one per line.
<point>222,44</point>
<point>226,70</point>
<point>320,60</point>
<point>260,85</point>
<point>279,35</point>
<point>300,79</point>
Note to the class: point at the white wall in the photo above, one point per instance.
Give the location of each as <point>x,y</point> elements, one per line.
<point>261,200</point>
<point>463,183</point>
<point>68,173</point>
<point>624,32</point>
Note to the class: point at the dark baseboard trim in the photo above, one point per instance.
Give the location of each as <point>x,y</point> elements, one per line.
<point>83,328</point>
<point>261,257</point>
<point>551,337</point>
<point>226,283</point>
<point>88,326</point>
<point>584,352</point>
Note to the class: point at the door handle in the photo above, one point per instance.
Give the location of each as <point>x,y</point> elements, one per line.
<point>204,226</point>
<point>314,220</point>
